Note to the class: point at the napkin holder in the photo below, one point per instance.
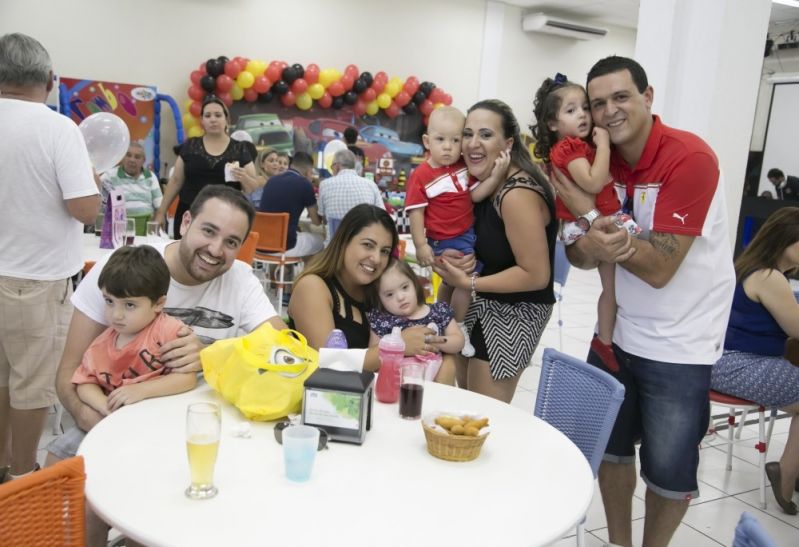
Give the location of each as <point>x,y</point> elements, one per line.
<point>340,402</point>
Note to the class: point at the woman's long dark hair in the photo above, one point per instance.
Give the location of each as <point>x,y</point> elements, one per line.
<point>779,232</point>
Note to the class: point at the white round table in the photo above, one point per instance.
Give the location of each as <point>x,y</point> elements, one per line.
<point>529,486</point>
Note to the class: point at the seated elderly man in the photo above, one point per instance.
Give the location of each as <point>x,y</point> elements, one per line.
<point>344,190</point>
<point>139,186</point>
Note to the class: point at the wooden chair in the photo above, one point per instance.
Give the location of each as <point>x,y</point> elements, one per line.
<point>273,231</point>
<point>247,249</point>
<point>45,507</point>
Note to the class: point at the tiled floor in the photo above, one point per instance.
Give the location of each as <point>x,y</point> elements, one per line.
<point>724,495</point>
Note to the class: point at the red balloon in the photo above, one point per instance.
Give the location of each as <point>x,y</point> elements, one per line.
<point>347,81</point>
<point>195,77</point>
<point>360,108</point>
<point>232,68</point>
<point>352,70</point>
<point>411,86</point>
<point>273,72</point>
<point>299,86</point>
<point>288,99</point>
<point>226,98</point>
<point>325,100</point>
<point>378,86</point>
<point>262,84</point>
<point>312,74</point>
<point>402,98</point>
<point>381,77</point>
<point>426,107</point>
<point>202,68</point>
<point>369,95</point>
<point>393,110</point>
<point>336,89</point>
<point>447,100</point>
<point>425,119</point>
<point>196,109</point>
<point>437,95</point>
<point>282,64</point>
<point>250,95</point>
<point>196,92</point>
<point>224,82</point>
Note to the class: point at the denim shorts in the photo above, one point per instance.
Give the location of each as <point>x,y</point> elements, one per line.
<point>463,243</point>
<point>66,445</point>
<point>666,407</point>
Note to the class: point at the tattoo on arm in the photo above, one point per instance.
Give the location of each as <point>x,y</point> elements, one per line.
<point>665,244</point>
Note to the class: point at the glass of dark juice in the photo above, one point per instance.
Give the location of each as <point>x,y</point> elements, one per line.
<point>411,390</point>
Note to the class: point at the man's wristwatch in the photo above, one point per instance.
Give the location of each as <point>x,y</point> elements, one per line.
<point>586,220</point>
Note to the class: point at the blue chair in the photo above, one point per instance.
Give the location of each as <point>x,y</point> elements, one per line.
<point>750,533</point>
<point>560,274</point>
<point>581,401</point>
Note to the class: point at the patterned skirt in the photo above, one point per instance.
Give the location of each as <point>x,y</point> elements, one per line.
<point>766,380</point>
<point>511,332</point>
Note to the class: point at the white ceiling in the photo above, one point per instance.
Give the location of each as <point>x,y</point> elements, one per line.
<point>624,13</point>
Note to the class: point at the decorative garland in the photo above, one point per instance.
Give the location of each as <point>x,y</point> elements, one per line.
<point>253,80</point>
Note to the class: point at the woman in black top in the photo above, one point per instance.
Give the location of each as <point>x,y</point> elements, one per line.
<point>330,291</point>
<point>202,161</point>
<point>515,228</point>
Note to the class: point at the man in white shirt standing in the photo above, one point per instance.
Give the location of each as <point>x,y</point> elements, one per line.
<point>48,193</point>
<point>343,191</point>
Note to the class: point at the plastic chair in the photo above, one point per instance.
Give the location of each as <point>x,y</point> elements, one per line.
<point>750,533</point>
<point>560,274</point>
<point>731,404</point>
<point>581,401</point>
<point>247,249</point>
<point>45,507</point>
<point>273,231</point>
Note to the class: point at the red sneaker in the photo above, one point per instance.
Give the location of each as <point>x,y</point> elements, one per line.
<point>605,353</point>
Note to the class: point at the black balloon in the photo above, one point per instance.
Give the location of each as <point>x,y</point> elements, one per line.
<point>280,87</point>
<point>298,70</point>
<point>410,108</point>
<point>289,74</point>
<point>419,97</point>
<point>266,97</point>
<point>214,68</point>
<point>350,97</point>
<point>338,102</point>
<point>367,77</point>
<point>222,59</point>
<point>359,86</point>
<point>208,83</point>
<point>426,88</point>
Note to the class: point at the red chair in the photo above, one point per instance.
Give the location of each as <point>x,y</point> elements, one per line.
<point>247,249</point>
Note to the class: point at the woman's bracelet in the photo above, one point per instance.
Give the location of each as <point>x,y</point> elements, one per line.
<point>474,287</point>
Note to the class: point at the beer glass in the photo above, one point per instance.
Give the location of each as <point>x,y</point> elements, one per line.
<point>203,424</point>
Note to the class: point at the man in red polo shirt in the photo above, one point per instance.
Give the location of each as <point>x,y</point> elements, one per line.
<point>674,289</point>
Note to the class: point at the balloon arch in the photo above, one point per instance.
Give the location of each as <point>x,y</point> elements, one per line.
<point>294,85</point>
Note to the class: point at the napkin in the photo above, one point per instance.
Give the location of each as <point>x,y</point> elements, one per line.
<point>342,359</point>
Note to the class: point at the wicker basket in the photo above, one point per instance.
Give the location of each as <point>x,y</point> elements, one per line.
<point>454,448</point>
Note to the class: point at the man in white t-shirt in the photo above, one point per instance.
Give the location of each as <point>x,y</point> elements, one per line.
<point>674,287</point>
<point>213,293</point>
<point>48,193</point>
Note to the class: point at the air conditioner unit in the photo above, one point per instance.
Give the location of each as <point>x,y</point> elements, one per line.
<point>541,22</point>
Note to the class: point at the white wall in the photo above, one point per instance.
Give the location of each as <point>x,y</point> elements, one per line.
<point>159,42</point>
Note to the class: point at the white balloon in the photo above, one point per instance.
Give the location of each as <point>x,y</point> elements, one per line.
<point>241,135</point>
<point>330,150</point>
<point>107,139</point>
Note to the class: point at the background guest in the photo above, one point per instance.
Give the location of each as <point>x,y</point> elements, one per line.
<point>266,166</point>
<point>202,162</point>
<point>512,298</point>
<point>48,193</point>
<point>784,187</point>
<point>351,137</point>
<point>764,314</point>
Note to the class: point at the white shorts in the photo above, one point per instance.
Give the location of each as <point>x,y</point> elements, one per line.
<point>308,244</point>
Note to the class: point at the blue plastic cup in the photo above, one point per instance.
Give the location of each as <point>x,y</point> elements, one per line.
<point>299,450</point>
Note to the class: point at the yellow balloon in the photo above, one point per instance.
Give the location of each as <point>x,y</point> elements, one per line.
<point>255,67</point>
<point>316,90</point>
<point>304,101</point>
<point>187,104</point>
<point>236,92</point>
<point>392,88</point>
<point>189,121</point>
<point>372,108</point>
<point>195,131</point>
<point>383,100</point>
<point>438,105</point>
<point>327,77</point>
<point>396,80</point>
<point>245,79</point>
